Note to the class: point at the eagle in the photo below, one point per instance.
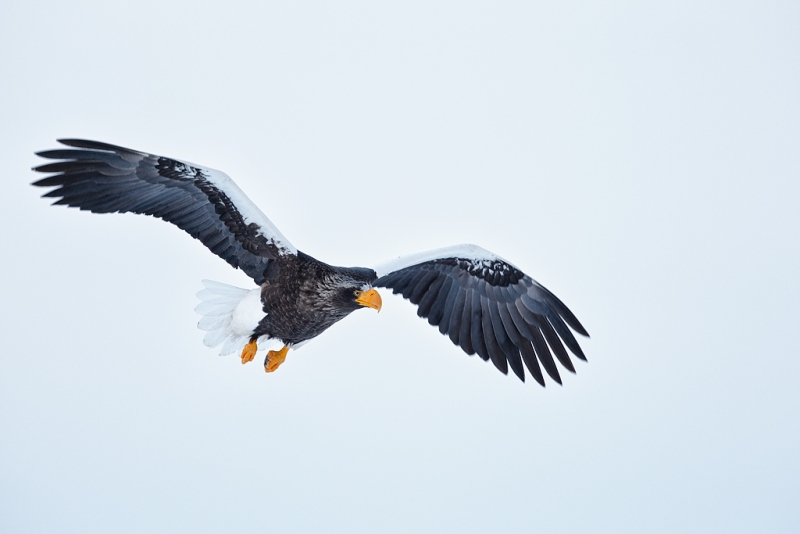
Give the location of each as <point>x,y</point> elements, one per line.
<point>483,303</point>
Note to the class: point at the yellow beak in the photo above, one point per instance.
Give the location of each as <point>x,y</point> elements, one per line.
<point>370,299</point>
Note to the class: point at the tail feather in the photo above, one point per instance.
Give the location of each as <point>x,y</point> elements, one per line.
<point>215,308</point>
<point>212,322</point>
<point>215,337</point>
<point>231,345</point>
<point>230,315</point>
<point>209,297</point>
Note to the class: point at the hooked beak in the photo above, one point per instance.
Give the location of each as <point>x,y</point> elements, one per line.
<point>370,299</point>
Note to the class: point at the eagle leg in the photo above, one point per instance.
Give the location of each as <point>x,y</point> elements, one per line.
<point>249,351</point>
<point>274,359</point>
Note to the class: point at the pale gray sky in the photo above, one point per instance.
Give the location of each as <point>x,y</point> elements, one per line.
<point>640,159</point>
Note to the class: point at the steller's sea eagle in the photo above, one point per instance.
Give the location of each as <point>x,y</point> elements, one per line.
<point>483,303</point>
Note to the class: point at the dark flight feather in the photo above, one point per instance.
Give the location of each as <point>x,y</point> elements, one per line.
<point>490,308</point>
<point>205,203</point>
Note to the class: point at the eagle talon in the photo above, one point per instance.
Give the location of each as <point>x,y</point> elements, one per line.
<point>274,359</point>
<point>249,351</point>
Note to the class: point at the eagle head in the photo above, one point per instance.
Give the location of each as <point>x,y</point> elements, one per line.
<point>353,289</point>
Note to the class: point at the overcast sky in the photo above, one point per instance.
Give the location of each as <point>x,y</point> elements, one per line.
<point>639,159</point>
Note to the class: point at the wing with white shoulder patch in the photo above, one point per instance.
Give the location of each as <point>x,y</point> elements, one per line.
<point>488,306</point>
<point>204,202</point>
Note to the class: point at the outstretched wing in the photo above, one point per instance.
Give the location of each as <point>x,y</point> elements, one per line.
<point>487,306</point>
<point>206,203</point>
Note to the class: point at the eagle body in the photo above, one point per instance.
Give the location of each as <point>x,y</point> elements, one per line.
<point>303,297</point>
<point>482,302</point>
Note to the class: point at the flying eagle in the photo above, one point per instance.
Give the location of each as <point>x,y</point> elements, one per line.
<point>482,302</point>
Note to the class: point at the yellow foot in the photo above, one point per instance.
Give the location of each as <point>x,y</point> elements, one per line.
<point>249,352</point>
<point>274,359</point>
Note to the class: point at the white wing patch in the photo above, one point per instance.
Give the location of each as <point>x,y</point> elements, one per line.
<point>475,253</point>
<point>249,211</point>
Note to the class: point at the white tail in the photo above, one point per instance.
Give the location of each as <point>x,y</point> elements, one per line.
<point>230,314</point>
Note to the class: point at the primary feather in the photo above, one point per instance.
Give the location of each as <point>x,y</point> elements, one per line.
<point>486,305</point>
<point>204,202</point>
